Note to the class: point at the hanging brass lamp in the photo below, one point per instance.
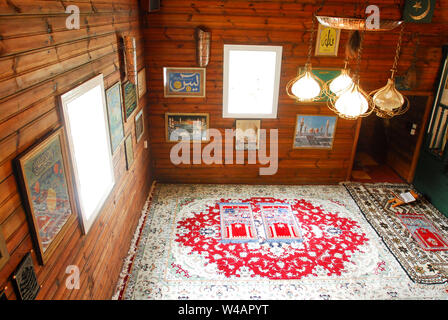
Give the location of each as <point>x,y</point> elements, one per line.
<point>306,87</point>
<point>352,102</point>
<point>388,101</point>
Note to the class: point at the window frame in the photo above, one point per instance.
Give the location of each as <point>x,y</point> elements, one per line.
<point>64,100</point>
<point>278,66</point>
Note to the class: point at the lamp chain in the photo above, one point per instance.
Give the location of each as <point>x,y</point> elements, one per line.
<point>397,52</point>
<point>313,30</point>
<point>358,58</point>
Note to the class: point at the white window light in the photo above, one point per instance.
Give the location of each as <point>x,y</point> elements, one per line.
<point>85,118</point>
<point>251,81</point>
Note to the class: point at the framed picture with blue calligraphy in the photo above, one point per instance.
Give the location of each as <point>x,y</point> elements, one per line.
<point>184,82</point>
<point>46,191</point>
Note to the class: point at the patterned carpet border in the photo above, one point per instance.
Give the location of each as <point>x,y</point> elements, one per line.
<point>130,257</point>
<point>423,267</point>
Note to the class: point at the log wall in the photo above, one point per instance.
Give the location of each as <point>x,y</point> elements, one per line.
<point>39,60</point>
<point>170,43</point>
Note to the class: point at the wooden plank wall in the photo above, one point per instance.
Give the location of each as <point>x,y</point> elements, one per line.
<point>170,35</point>
<point>39,60</point>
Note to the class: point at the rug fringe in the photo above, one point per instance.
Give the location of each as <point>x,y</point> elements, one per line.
<point>121,285</point>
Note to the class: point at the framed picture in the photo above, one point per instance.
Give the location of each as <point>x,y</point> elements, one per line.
<point>141,82</point>
<point>419,11</point>
<point>325,74</point>
<point>247,134</point>
<point>130,99</point>
<point>184,82</point>
<point>139,126</point>
<point>327,41</point>
<point>25,279</point>
<point>4,254</point>
<point>115,115</point>
<point>46,191</point>
<point>129,151</point>
<point>183,126</point>
<point>314,131</point>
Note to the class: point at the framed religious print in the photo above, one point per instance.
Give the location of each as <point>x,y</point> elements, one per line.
<point>327,41</point>
<point>46,191</point>
<point>129,151</point>
<point>115,115</point>
<point>130,99</point>
<point>186,126</point>
<point>4,254</point>
<point>314,131</point>
<point>139,126</point>
<point>25,279</point>
<point>247,135</point>
<point>184,82</point>
<point>141,83</point>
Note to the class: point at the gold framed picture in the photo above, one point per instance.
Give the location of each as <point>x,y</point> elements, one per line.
<point>129,151</point>
<point>327,41</point>
<point>247,135</point>
<point>141,83</point>
<point>184,82</point>
<point>46,190</point>
<point>187,126</point>
<point>314,131</point>
<point>139,126</point>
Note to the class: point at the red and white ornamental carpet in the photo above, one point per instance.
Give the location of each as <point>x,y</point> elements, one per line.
<point>178,251</point>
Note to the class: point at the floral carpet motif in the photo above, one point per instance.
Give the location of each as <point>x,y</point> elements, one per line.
<point>178,252</point>
<point>422,266</point>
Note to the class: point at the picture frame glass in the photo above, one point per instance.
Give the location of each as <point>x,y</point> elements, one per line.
<point>327,41</point>
<point>141,83</point>
<point>130,99</point>
<point>129,150</point>
<point>314,131</point>
<point>115,115</point>
<point>187,126</point>
<point>139,125</point>
<point>247,135</point>
<point>184,82</point>
<point>45,181</point>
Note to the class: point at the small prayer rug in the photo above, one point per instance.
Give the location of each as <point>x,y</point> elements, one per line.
<point>424,232</point>
<point>279,222</point>
<point>237,223</point>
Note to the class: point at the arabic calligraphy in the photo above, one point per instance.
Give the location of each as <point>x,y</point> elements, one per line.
<point>184,82</point>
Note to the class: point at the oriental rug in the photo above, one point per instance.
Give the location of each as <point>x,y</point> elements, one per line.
<point>396,229</point>
<point>177,251</point>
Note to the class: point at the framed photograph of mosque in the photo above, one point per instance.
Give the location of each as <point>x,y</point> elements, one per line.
<point>314,131</point>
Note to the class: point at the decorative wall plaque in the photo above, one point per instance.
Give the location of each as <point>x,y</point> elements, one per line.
<point>25,279</point>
